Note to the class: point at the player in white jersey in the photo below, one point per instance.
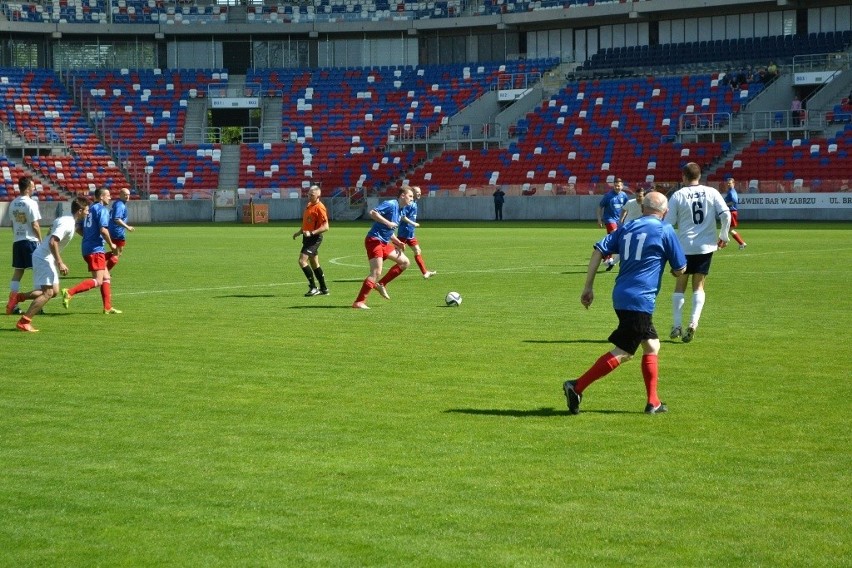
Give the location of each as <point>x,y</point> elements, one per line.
<point>25,216</point>
<point>48,263</point>
<point>693,210</point>
<point>633,208</point>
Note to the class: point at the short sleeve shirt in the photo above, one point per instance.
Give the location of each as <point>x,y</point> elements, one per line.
<point>634,210</point>
<point>389,210</point>
<point>119,212</point>
<point>645,245</point>
<point>314,216</point>
<point>612,203</point>
<point>63,230</point>
<point>23,211</point>
<point>97,219</point>
<point>732,199</point>
<point>693,210</point>
<point>406,230</point>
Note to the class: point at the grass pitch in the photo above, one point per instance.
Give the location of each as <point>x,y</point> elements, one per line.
<point>226,420</point>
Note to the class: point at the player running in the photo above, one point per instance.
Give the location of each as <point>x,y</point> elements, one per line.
<point>382,243</point>
<point>405,232</point>
<point>96,239</point>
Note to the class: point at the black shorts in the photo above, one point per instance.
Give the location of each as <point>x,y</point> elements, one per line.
<point>633,329</point>
<point>698,263</point>
<point>22,253</point>
<point>310,245</point>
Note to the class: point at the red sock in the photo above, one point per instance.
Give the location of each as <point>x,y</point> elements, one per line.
<point>106,294</point>
<point>737,237</point>
<point>112,260</point>
<point>392,273</point>
<point>366,287</point>
<point>420,264</point>
<point>83,286</point>
<point>21,297</point>
<point>650,374</point>
<point>602,367</point>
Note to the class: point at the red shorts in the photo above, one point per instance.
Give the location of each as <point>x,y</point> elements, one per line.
<point>610,227</point>
<point>734,221</point>
<point>96,261</point>
<point>412,242</point>
<point>378,249</point>
<point>119,242</point>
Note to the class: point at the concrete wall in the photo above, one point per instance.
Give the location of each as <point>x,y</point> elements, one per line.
<point>516,208</point>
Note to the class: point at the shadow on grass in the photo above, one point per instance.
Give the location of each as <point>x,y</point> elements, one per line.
<point>543,412</point>
<point>41,315</point>
<point>547,341</point>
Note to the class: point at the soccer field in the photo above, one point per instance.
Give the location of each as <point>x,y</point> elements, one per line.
<point>226,420</point>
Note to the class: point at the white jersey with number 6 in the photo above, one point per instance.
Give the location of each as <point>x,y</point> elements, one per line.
<point>693,210</point>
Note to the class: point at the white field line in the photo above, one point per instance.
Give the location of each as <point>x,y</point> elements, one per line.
<point>535,269</point>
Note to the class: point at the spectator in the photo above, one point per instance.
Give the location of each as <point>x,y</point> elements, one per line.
<point>499,199</point>
<point>796,112</point>
<point>771,72</point>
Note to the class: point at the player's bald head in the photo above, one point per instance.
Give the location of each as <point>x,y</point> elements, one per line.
<point>655,202</point>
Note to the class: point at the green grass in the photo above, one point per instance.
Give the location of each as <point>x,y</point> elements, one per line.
<point>225,420</point>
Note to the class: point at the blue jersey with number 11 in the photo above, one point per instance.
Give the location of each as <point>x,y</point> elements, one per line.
<point>644,245</point>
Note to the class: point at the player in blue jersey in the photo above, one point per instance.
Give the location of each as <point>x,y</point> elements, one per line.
<point>645,245</point>
<point>732,200</point>
<point>405,232</point>
<point>381,243</point>
<point>118,227</point>
<point>609,214</point>
<point>96,241</point>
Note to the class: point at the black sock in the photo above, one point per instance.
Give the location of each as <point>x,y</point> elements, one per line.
<point>309,275</point>
<point>318,273</point>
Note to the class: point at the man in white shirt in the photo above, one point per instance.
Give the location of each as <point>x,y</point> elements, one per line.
<point>693,210</point>
<point>48,263</point>
<point>26,231</point>
<point>633,208</point>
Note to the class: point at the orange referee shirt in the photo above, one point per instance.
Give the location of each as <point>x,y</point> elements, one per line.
<point>314,217</point>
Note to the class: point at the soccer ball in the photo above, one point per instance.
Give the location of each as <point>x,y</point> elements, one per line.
<point>453,299</point>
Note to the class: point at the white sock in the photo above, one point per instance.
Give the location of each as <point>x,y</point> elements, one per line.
<point>697,306</point>
<point>15,286</point>
<point>677,308</point>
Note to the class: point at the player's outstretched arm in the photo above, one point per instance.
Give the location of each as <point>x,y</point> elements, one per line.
<point>588,294</point>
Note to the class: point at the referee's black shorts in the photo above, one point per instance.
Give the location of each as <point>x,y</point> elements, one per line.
<point>310,245</point>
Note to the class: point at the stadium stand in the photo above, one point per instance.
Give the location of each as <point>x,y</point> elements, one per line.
<point>198,12</point>
<point>800,164</point>
<point>592,132</point>
<point>780,48</point>
<point>142,114</point>
<point>37,109</point>
<point>338,121</point>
